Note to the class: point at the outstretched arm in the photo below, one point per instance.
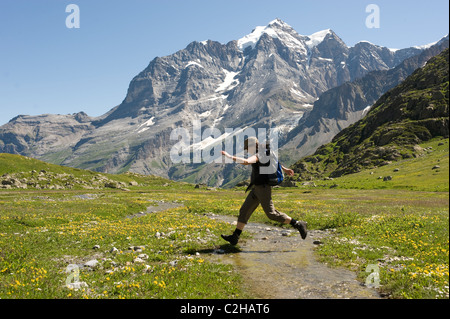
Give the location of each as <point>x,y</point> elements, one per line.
<point>240,160</point>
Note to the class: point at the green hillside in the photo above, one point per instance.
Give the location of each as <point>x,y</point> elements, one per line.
<point>429,172</point>
<point>20,172</point>
<point>10,163</point>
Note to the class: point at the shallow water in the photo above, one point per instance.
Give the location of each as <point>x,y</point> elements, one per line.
<point>277,266</point>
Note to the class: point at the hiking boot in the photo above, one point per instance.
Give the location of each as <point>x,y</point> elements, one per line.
<point>232,239</point>
<point>301,227</point>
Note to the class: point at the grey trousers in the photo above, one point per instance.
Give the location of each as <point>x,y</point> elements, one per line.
<point>260,194</point>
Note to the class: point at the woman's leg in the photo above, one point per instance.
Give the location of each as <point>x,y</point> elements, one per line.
<point>240,226</point>
<point>248,207</point>
<point>264,194</point>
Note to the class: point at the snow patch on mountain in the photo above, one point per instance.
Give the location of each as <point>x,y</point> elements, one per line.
<point>146,125</point>
<point>229,82</point>
<point>297,92</point>
<point>366,110</point>
<point>193,63</point>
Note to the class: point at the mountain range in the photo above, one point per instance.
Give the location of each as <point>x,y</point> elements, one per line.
<point>306,88</point>
<point>411,113</point>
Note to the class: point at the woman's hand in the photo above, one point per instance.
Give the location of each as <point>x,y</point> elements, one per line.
<point>288,171</point>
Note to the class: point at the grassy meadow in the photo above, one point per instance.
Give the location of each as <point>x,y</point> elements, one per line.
<point>402,225</point>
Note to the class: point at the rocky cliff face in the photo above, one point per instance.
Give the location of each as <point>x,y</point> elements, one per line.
<point>267,79</point>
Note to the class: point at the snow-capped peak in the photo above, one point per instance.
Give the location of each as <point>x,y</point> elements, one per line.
<point>253,38</point>
<point>317,38</point>
<point>286,34</point>
<point>276,29</point>
<point>279,23</point>
<point>425,46</point>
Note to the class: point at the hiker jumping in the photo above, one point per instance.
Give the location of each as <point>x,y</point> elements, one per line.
<point>261,193</point>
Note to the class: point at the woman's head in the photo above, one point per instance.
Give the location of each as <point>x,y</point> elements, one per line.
<point>251,145</point>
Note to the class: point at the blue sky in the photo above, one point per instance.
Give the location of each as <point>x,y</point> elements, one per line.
<point>47,68</point>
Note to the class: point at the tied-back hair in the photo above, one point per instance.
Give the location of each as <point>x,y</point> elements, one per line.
<point>251,140</point>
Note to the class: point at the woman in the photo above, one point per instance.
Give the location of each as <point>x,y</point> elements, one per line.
<point>261,193</point>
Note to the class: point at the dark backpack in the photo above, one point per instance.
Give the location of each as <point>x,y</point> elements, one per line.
<point>272,171</point>
<point>277,177</point>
